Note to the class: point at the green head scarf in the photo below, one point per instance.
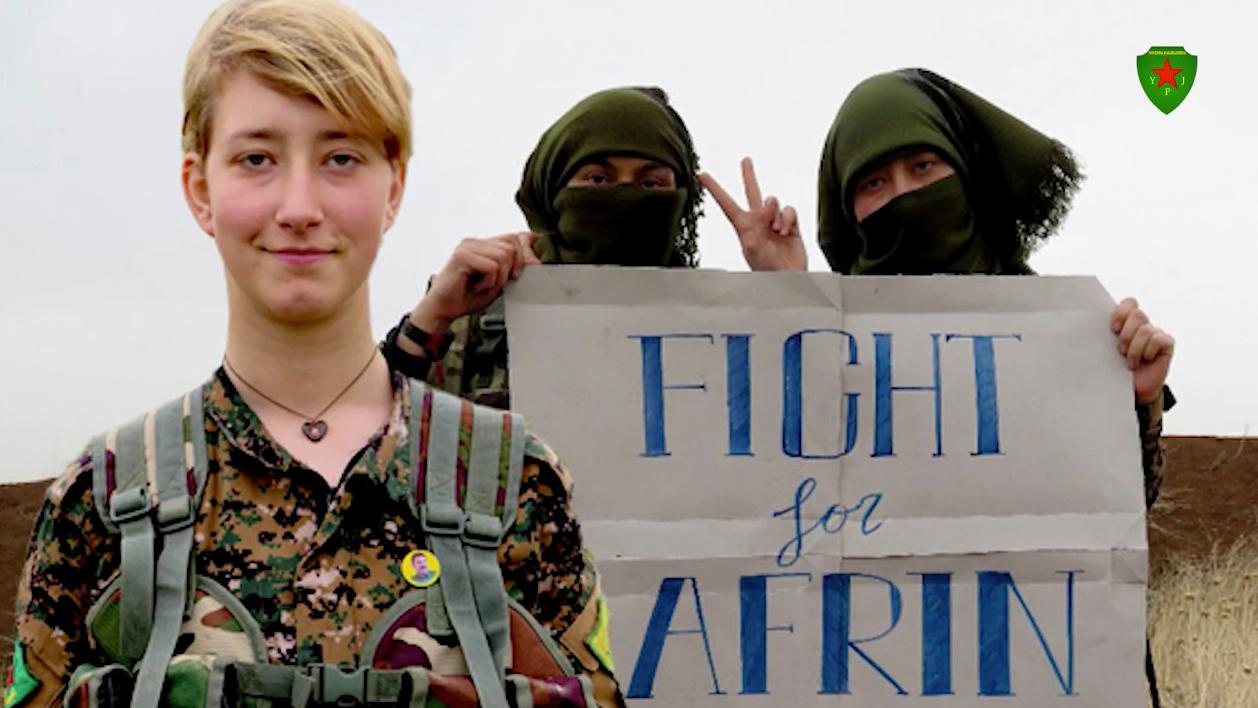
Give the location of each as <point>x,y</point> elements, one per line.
<point>619,225</point>
<point>1012,188</point>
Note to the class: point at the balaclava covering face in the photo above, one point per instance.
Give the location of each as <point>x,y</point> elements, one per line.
<point>619,225</point>
<point>1012,187</point>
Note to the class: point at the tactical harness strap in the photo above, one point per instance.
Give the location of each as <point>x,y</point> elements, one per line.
<point>149,494</point>
<point>151,489</point>
<point>465,524</point>
<point>485,529</point>
<point>492,324</point>
<point>482,364</point>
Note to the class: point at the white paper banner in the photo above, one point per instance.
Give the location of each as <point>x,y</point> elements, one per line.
<point>809,489</point>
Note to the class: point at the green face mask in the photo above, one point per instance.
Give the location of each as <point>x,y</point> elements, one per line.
<point>625,122</point>
<point>929,230</point>
<point>624,225</point>
<point>1020,181</point>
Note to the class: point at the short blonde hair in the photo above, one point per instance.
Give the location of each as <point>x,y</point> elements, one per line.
<point>314,48</point>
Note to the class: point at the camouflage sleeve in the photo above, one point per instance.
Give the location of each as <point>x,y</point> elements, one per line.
<point>66,556</point>
<point>1152,448</point>
<point>548,571</point>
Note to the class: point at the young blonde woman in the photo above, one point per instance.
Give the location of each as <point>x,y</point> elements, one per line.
<point>287,499</point>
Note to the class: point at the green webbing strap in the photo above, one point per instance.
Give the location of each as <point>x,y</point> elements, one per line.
<point>194,433</point>
<point>492,323</point>
<point>301,694</point>
<point>259,680</point>
<point>444,522</point>
<point>217,683</point>
<point>136,599</point>
<point>100,482</point>
<point>419,687</point>
<point>172,581</point>
<point>523,691</point>
<point>441,474</point>
<point>320,684</point>
<point>176,519</point>
<point>105,686</point>
<point>515,465</point>
<point>483,534</point>
<point>173,502</point>
<point>437,617</point>
<point>129,510</point>
<point>483,469</point>
<point>493,326</point>
<point>435,608</point>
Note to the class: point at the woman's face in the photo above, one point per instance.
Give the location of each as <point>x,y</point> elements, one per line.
<point>297,205</point>
<point>612,170</point>
<point>895,177</point>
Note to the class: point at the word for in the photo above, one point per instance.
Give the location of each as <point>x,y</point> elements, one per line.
<point>831,522</point>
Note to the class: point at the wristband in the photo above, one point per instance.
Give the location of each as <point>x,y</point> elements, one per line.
<point>434,346</point>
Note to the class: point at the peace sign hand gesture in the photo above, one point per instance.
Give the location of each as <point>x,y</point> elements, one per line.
<point>769,234</point>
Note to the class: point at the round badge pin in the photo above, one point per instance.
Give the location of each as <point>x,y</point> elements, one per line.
<point>421,568</point>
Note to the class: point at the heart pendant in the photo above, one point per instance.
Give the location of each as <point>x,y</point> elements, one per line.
<point>314,430</point>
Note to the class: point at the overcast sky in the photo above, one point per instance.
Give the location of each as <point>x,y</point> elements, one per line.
<point>113,298</point>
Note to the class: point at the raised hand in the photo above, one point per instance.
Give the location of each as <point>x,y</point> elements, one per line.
<point>768,233</point>
<point>1148,349</point>
<point>475,274</point>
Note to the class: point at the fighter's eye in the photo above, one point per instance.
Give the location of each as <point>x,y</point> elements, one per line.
<point>871,184</point>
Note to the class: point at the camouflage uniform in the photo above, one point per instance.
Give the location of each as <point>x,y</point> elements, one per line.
<point>315,566</point>
<point>471,363</point>
<point>1152,448</point>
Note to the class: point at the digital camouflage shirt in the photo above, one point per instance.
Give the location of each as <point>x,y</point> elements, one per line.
<point>469,362</point>
<point>1152,447</point>
<point>315,566</point>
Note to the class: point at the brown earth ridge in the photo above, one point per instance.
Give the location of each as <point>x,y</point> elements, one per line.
<point>1209,501</point>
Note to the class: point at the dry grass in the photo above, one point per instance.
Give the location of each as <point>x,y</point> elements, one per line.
<point>1203,622</point>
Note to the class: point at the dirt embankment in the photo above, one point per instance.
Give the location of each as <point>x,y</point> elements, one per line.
<point>1209,499</point>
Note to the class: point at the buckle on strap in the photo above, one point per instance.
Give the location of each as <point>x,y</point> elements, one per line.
<point>483,531</point>
<point>442,519</point>
<point>338,686</point>
<point>493,321</point>
<point>175,514</point>
<point>129,505</point>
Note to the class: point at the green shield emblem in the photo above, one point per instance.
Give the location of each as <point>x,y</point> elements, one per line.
<point>1167,75</point>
